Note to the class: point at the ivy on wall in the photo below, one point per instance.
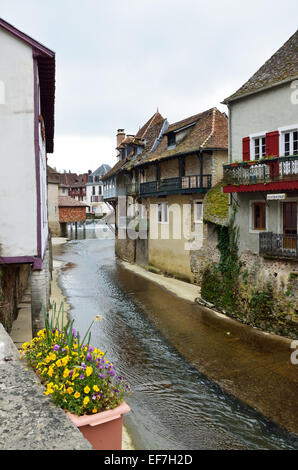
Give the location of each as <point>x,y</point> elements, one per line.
<point>241,294</point>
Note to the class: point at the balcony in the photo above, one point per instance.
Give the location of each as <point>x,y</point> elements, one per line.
<point>96,198</point>
<point>278,245</point>
<point>263,172</point>
<point>132,189</point>
<point>110,193</point>
<point>179,185</point>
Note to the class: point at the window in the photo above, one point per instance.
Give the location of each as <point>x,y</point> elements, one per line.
<point>290,143</point>
<point>99,190</point>
<point>259,216</point>
<point>163,213</point>
<point>259,147</point>
<point>198,211</point>
<point>93,190</point>
<point>171,139</point>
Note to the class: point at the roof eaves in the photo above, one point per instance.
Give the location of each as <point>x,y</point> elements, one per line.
<point>239,96</point>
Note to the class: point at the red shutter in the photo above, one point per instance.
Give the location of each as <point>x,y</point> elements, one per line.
<point>272,144</point>
<point>246,149</point>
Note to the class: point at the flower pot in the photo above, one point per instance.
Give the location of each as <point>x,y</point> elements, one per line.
<point>103,430</point>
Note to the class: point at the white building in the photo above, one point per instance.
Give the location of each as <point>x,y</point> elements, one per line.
<point>94,191</point>
<point>27,77</point>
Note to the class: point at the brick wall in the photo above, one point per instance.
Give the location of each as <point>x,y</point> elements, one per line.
<point>72,214</point>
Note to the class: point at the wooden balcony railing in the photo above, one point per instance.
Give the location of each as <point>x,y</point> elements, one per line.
<point>178,185</point>
<point>132,189</point>
<point>262,171</point>
<point>278,245</point>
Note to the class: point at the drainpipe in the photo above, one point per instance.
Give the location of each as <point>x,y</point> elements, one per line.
<point>201,168</point>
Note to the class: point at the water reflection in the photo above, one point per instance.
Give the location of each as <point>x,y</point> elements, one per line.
<point>174,406</point>
<point>91,229</point>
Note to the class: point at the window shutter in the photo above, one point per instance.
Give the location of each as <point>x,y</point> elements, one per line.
<point>272,144</point>
<point>246,149</point>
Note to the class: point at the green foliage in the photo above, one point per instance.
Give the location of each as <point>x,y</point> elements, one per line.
<point>239,293</point>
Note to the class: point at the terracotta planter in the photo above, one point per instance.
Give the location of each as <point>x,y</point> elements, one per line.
<point>103,430</point>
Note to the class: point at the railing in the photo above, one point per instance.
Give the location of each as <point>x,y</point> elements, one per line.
<point>278,245</point>
<point>262,171</point>
<point>96,198</point>
<point>110,193</point>
<point>178,185</point>
<point>132,189</point>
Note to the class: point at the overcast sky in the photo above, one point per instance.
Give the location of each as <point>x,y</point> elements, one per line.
<point>118,60</point>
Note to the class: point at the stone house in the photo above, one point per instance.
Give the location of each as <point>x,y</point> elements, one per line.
<point>167,179</point>
<point>70,211</point>
<point>262,174</point>
<point>53,201</point>
<point>73,185</point>
<point>94,191</point>
<point>27,75</point>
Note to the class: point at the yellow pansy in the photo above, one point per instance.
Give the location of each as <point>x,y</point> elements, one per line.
<point>94,410</point>
<point>77,395</point>
<point>66,373</point>
<point>87,389</point>
<point>89,371</point>
<point>70,390</point>
<point>86,401</point>
<point>95,388</point>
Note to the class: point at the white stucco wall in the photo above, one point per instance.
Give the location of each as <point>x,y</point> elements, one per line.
<point>18,233</point>
<point>265,111</point>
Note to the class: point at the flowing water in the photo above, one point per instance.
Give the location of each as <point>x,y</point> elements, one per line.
<point>173,405</point>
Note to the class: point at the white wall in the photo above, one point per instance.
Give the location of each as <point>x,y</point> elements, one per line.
<point>265,111</point>
<point>18,232</point>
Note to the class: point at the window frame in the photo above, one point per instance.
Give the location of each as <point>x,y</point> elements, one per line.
<point>252,228</point>
<point>252,138</point>
<point>162,215</point>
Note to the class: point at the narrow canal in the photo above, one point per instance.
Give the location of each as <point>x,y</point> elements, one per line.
<point>174,406</point>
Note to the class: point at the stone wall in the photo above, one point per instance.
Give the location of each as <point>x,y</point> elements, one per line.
<point>125,249</point>
<point>13,283</point>
<point>28,419</point>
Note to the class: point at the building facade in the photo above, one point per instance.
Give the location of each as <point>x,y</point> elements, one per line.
<point>27,74</point>
<point>94,192</point>
<point>262,174</point>
<point>159,182</point>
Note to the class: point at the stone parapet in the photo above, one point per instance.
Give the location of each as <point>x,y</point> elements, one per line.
<point>28,419</point>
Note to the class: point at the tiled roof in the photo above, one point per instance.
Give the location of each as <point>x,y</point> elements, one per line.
<point>155,119</point>
<point>209,131</point>
<point>148,133</point>
<point>66,201</point>
<point>116,168</point>
<point>282,66</point>
<point>102,170</point>
<point>53,175</point>
<point>72,179</point>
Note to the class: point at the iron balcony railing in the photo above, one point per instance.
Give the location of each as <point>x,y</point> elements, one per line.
<point>262,171</point>
<point>178,185</point>
<point>278,245</point>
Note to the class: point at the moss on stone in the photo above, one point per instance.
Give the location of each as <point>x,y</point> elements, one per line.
<point>216,206</point>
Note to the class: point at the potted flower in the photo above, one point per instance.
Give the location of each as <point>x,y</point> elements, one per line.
<point>81,381</point>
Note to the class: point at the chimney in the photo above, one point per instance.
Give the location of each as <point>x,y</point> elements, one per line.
<point>120,136</point>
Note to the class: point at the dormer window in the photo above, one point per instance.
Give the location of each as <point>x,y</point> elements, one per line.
<point>171,139</point>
